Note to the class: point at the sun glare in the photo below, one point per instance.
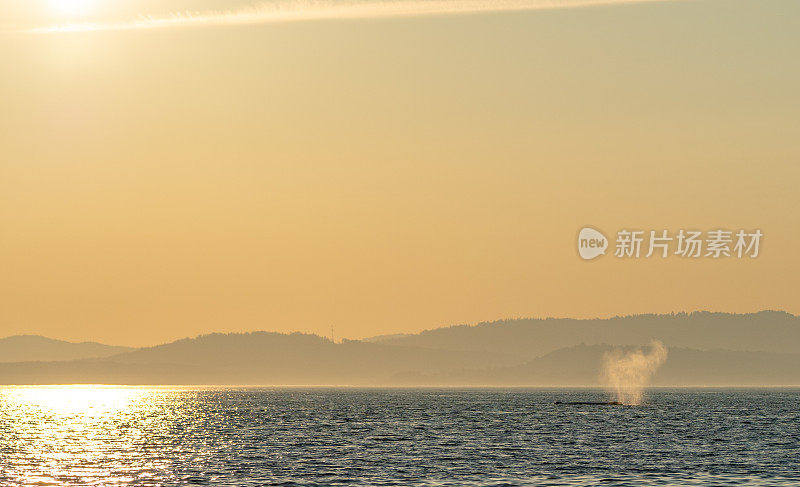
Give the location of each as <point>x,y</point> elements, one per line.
<point>73,400</point>
<point>71,7</point>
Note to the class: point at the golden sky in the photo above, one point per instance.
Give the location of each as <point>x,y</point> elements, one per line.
<point>386,169</point>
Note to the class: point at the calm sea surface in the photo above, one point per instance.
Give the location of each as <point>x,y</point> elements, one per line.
<point>285,436</point>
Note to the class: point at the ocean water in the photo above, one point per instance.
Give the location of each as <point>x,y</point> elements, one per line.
<point>341,436</point>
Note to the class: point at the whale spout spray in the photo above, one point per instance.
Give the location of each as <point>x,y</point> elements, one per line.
<point>628,373</point>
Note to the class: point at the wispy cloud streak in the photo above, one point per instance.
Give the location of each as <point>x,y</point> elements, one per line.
<point>288,11</point>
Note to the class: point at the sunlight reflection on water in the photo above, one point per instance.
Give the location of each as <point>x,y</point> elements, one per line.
<point>101,435</point>
<point>79,435</point>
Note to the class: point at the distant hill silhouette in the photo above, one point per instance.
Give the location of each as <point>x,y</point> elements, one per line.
<point>383,338</point>
<point>318,363</point>
<point>31,348</point>
<point>766,331</point>
<point>580,365</point>
<point>250,358</point>
<point>704,349</point>
<point>300,358</point>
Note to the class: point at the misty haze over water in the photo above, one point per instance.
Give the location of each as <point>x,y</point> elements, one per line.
<point>700,349</point>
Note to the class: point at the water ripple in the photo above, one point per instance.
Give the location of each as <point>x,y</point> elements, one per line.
<point>114,436</point>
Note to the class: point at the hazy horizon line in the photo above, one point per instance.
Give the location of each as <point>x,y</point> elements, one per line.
<point>474,324</point>
<point>298,10</point>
